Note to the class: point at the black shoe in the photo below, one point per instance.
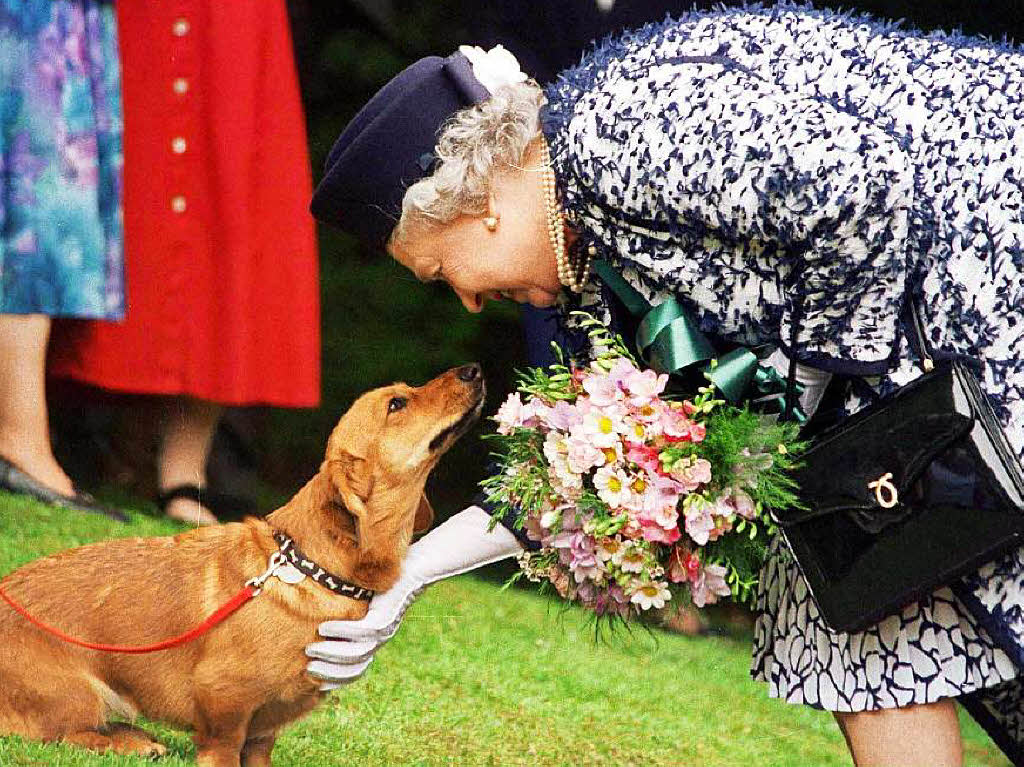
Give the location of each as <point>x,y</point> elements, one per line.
<point>14,480</point>
<point>221,505</point>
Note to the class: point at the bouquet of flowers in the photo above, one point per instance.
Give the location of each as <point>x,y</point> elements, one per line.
<point>637,497</point>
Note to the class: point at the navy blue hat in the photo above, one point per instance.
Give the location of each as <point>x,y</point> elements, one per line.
<point>389,145</point>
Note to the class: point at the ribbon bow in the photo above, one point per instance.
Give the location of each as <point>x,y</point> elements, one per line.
<point>669,340</point>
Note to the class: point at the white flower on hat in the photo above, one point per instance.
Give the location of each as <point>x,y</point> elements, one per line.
<point>493,68</point>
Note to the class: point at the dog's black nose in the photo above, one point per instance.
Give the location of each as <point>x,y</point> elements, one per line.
<point>468,372</point>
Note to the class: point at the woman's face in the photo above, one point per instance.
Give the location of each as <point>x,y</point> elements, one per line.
<point>514,261</point>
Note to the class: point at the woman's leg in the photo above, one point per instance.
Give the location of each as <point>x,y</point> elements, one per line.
<point>24,422</point>
<point>915,735</point>
<point>188,429</point>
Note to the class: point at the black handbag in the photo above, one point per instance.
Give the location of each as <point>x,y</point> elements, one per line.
<point>904,496</point>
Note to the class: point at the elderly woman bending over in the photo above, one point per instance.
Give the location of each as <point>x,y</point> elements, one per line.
<point>739,161</point>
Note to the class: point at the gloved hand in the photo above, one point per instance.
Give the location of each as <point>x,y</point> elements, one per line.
<point>460,544</point>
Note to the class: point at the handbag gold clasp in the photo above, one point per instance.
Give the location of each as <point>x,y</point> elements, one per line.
<point>885,491</point>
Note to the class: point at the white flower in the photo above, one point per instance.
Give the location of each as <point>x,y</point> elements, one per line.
<point>612,486</point>
<point>602,428</point>
<point>556,450</point>
<point>630,559</point>
<point>651,595</point>
<point>551,518</point>
<point>608,548</point>
<point>493,68</point>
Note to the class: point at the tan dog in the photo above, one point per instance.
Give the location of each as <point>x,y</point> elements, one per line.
<point>237,685</point>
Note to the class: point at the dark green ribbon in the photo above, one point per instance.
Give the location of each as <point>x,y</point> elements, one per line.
<point>669,340</point>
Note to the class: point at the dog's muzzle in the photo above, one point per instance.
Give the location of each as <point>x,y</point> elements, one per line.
<point>461,426</point>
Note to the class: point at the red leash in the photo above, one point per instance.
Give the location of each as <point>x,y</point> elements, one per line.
<point>236,601</point>
<point>252,589</point>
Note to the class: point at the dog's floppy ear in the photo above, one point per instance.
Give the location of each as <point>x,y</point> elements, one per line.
<point>424,515</point>
<point>352,481</point>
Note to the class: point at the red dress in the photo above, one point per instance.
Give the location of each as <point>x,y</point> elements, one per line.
<point>222,284</point>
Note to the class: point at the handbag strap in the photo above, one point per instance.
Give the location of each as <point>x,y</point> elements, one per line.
<point>794,330</point>
<point>911,320</point>
<point>916,326</point>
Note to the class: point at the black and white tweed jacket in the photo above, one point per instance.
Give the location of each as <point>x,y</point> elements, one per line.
<point>743,157</point>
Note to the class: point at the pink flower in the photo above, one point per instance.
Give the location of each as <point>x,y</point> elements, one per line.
<point>666,517</point>
<point>736,501</point>
<point>621,370</point>
<point>660,505</point>
<point>683,565</point>
<point>562,416</point>
<point>563,542</point>
<point>701,471</point>
<point>644,386</point>
<point>676,426</point>
<point>635,430</point>
<point>587,593</point>
<point>613,601</point>
<point>645,457</point>
<point>511,414</point>
<point>699,522</point>
<point>709,585</point>
<point>583,455</point>
<point>583,562</point>
<point>535,413</point>
<point>668,491</point>
<point>603,390</point>
<point>556,451</point>
<point>655,533</point>
<point>691,473</point>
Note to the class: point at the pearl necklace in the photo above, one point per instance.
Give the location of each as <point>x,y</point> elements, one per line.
<point>573,276</point>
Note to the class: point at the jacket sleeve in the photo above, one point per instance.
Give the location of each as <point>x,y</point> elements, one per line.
<point>742,177</point>
<point>508,521</point>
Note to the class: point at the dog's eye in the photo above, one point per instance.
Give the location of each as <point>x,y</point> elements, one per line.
<point>396,404</point>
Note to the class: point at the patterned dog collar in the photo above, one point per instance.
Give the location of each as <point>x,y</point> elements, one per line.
<point>306,566</point>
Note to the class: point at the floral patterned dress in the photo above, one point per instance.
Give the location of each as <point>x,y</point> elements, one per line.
<point>60,160</point>
<point>744,158</point>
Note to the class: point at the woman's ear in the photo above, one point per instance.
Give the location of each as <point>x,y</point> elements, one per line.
<point>424,515</point>
<point>492,219</point>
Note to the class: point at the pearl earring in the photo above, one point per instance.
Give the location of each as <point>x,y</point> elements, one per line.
<point>491,222</point>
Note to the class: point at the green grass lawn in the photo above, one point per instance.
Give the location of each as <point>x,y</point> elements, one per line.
<point>480,676</point>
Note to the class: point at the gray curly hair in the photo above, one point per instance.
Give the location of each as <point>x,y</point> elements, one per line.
<point>472,144</point>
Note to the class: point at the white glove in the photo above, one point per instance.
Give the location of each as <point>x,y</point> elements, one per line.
<point>460,544</point>
<point>814,381</point>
